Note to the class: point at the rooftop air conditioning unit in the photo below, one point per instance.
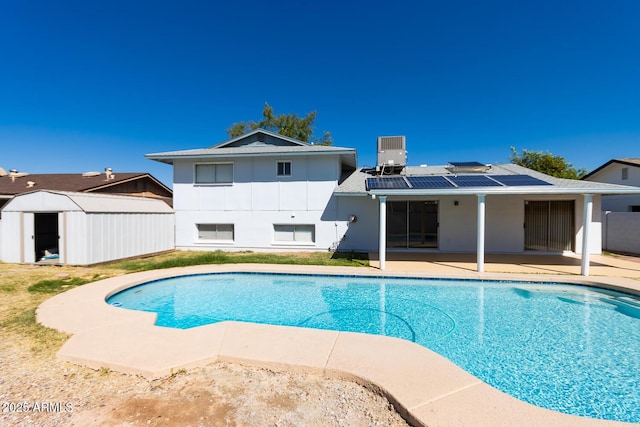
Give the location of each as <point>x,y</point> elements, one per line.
<point>392,154</point>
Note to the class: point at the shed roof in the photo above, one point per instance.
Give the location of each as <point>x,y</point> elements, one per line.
<point>40,200</point>
<point>355,183</point>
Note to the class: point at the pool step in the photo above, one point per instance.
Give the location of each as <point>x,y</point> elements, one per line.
<point>633,302</point>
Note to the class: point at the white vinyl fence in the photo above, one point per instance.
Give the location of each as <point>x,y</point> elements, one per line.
<point>621,232</point>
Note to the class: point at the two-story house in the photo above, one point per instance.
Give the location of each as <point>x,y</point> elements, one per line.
<point>260,191</point>
<point>264,191</point>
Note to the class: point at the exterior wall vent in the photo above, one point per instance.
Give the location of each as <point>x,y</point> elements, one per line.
<point>392,154</point>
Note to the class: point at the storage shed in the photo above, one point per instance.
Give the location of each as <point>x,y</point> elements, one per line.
<point>83,229</point>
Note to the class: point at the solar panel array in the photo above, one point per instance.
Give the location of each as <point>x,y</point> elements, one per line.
<point>452,181</point>
<point>518,180</point>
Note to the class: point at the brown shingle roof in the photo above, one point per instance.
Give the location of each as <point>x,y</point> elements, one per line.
<point>64,182</point>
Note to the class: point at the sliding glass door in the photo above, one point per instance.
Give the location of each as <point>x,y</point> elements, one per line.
<point>412,224</point>
<point>549,225</point>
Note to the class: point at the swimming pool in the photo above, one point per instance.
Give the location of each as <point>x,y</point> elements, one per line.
<point>569,348</point>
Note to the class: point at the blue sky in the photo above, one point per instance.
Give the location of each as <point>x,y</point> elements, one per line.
<point>90,84</point>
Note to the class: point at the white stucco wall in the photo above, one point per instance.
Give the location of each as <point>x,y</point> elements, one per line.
<point>621,232</point>
<point>504,223</point>
<point>257,199</point>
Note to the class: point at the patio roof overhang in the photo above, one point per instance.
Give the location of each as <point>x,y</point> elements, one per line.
<point>533,190</point>
<point>586,191</point>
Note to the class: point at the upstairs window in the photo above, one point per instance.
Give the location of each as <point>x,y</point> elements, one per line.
<point>625,173</point>
<point>284,169</point>
<point>214,173</point>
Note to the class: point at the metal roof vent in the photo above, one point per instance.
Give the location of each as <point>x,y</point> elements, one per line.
<point>467,167</point>
<point>392,154</point>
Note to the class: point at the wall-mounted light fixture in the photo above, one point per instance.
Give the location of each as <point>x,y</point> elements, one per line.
<point>353,218</point>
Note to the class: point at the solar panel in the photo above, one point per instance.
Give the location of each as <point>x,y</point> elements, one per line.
<point>387,183</point>
<point>466,164</point>
<point>429,182</point>
<point>518,180</point>
<point>473,181</point>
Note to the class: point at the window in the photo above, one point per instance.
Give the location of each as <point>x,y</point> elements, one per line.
<point>284,168</point>
<point>625,173</point>
<point>295,233</point>
<point>634,208</point>
<point>214,173</point>
<point>215,231</point>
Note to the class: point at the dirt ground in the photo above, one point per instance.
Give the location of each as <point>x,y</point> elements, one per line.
<point>38,390</point>
<point>50,393</point>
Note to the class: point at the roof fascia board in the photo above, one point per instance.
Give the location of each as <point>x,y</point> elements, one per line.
<point>273,154</point>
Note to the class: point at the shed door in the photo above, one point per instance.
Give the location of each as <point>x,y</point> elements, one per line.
<point>28,238</point>
<point>549,225</point>
<point>46,235</point>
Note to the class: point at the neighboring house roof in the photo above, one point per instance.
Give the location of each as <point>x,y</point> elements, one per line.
<point>99,202</point>
<point>257,143</point>
<point>356,183</point>
<point>70,182</point>
<point>628,161</point>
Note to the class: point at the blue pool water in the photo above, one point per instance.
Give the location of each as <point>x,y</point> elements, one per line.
<point>568,348</point>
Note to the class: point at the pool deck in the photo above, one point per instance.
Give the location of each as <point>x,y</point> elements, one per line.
<point>425,388</point>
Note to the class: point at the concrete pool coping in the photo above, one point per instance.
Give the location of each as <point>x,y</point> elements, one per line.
<point>425,388</point>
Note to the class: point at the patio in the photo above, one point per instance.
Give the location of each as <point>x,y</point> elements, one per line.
<point>456,263</point>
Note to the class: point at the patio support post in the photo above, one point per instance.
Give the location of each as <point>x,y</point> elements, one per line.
<point>382,245</point>
<point>586,225</point>
<point>480,238</point>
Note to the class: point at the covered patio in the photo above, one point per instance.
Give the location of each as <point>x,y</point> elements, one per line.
<point>557,264</point>
<point>505,209</point>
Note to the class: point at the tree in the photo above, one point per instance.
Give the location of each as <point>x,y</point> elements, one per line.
<point>547,163</point>
<point>291,125</point>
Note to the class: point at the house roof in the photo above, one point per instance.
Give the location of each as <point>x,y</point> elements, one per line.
<point>355,184</point>
<point>250,137</point>
<point>68,182</point>
<point>627,161</point>
<point>254,144</point>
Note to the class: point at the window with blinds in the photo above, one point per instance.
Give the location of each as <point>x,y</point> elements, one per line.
<point>294,233</point>
<point>215,232</point>
<point>214,173</point>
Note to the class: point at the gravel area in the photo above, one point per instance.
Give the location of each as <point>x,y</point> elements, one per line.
<point>53,393</point>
